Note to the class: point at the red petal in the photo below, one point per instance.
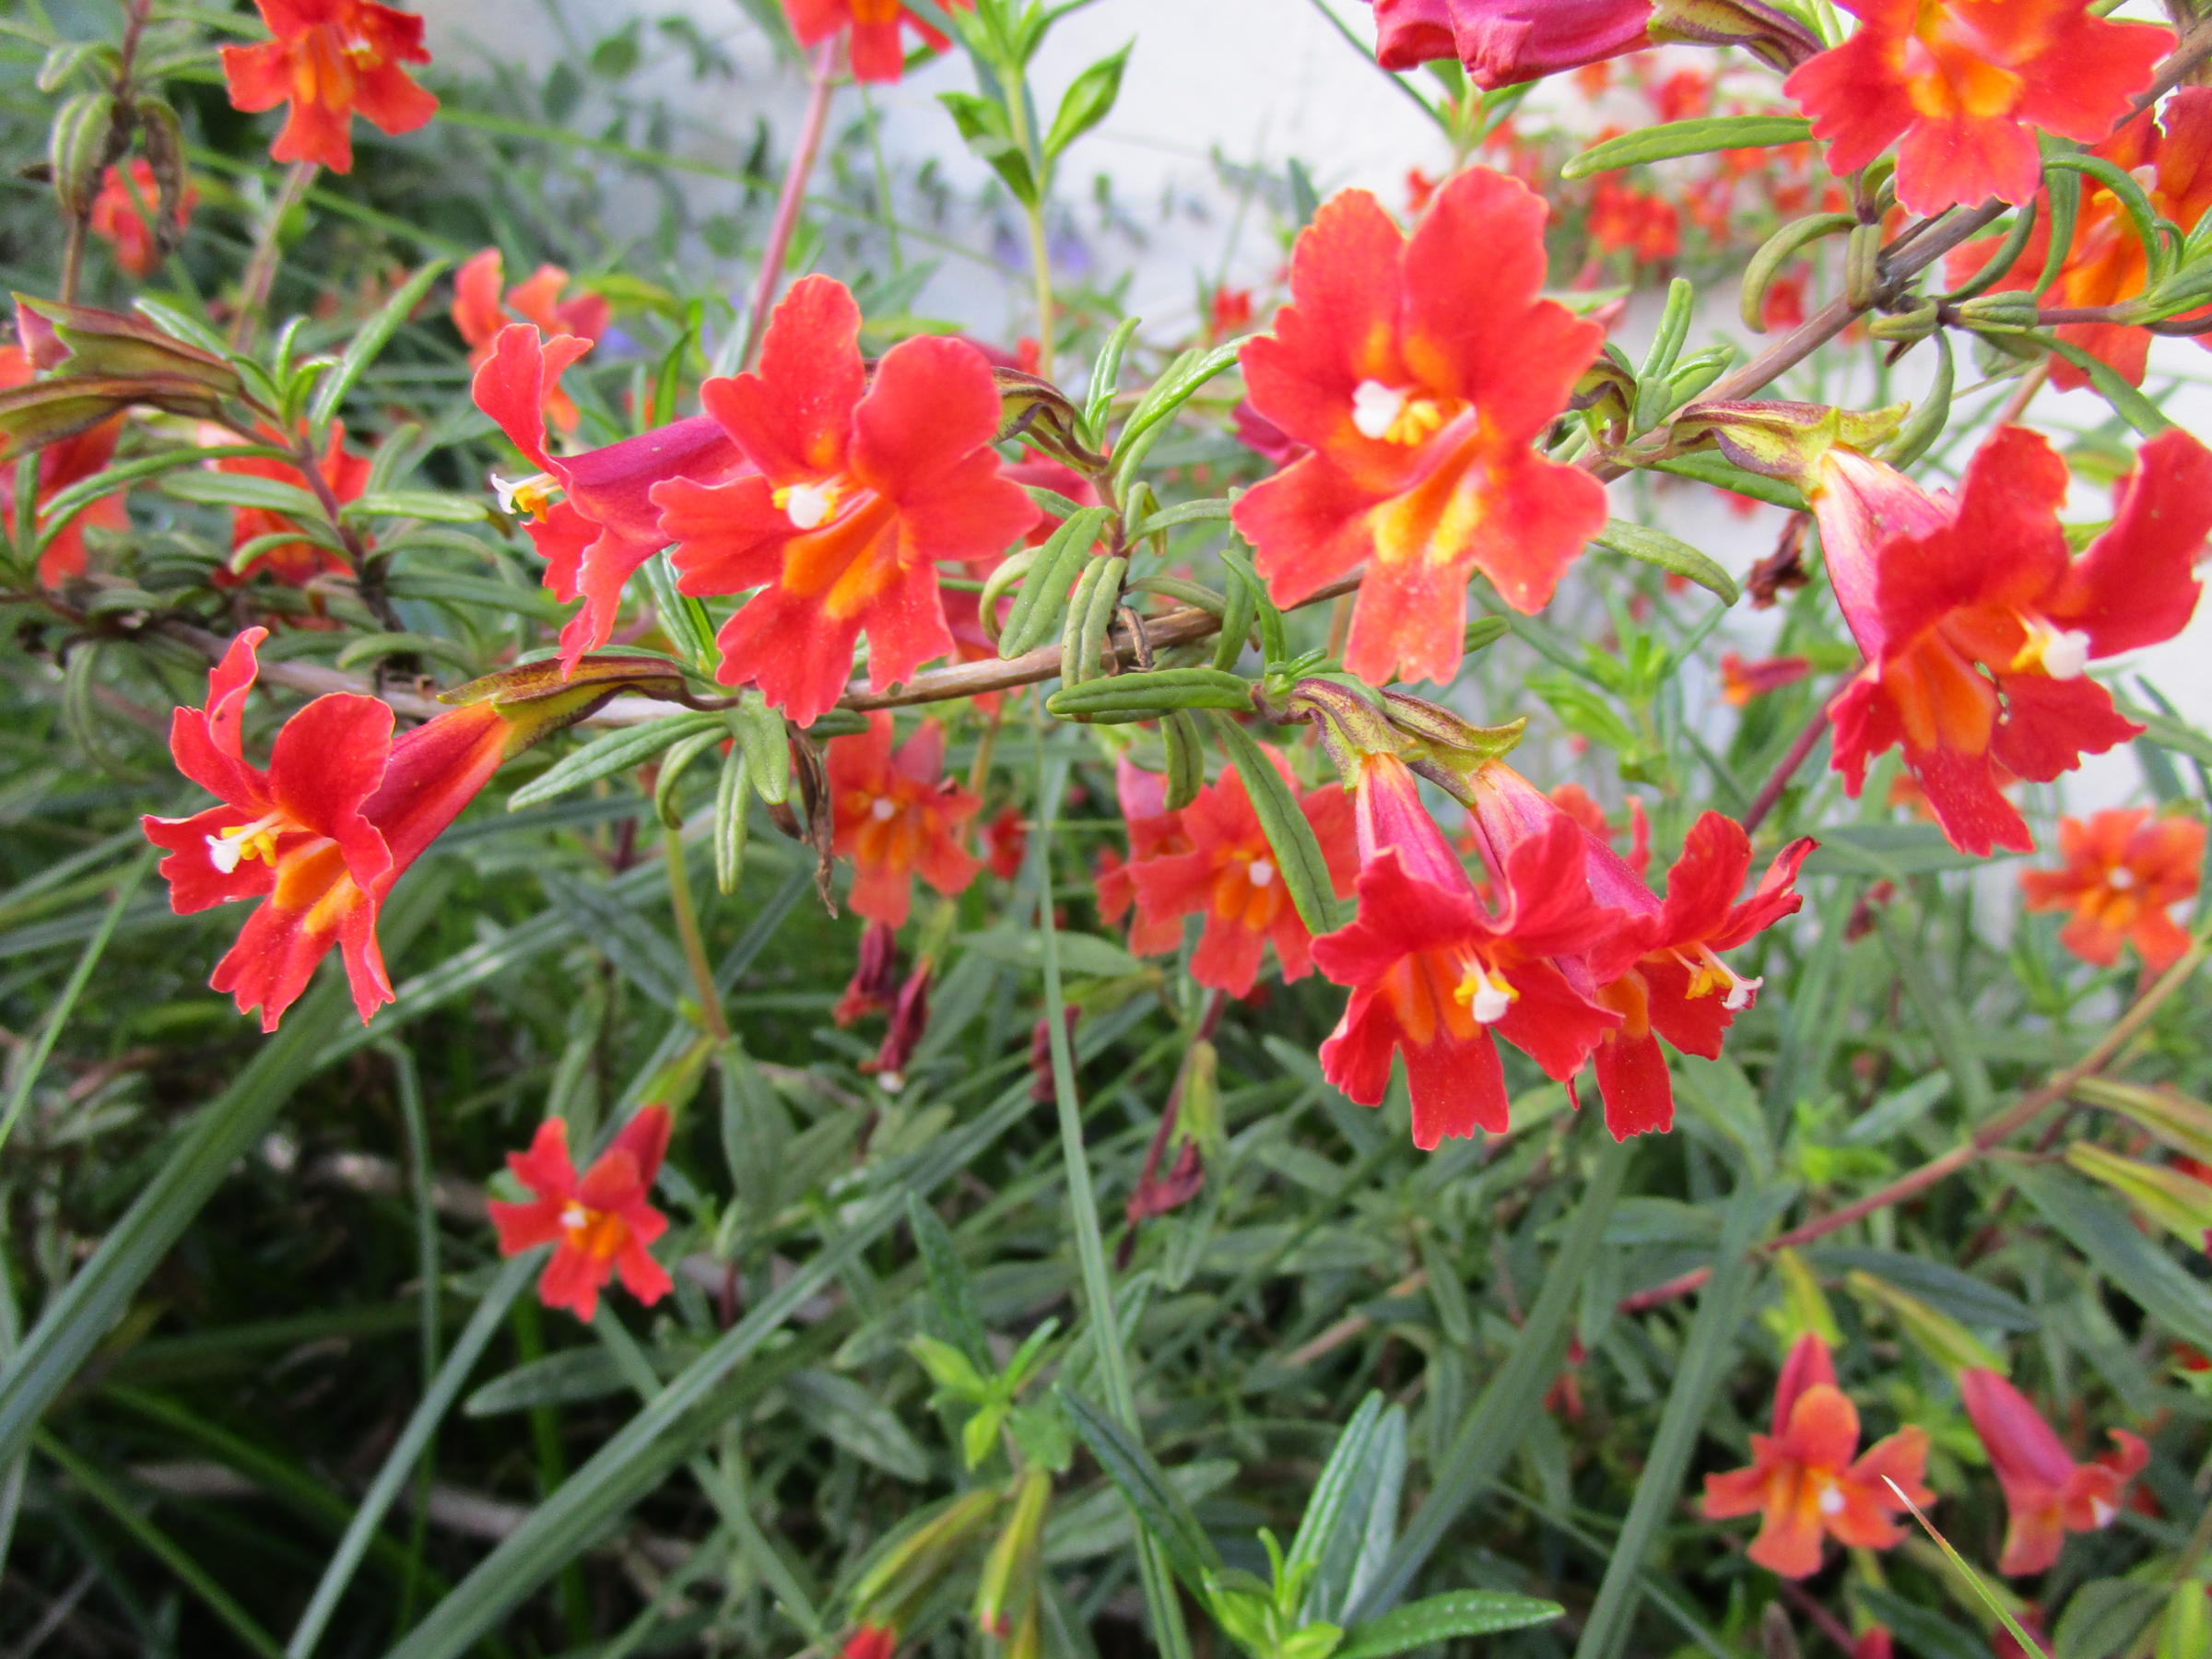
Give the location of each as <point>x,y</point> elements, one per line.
<point>1633,1082</point>
<point>511,382</point>
<point>1456,1087</point>
<point>1339,329</point>
<point>645,1138</point>
<point>1857,103</point>
<point>932,404</point>
<point>525,1226</point>
<point>794,418</point>
<point>1975,816</point>
<point>2030,1462</point>
<point>546,1168</point>
<point>1808,1364</point>
<point>2049,725</point>
<point>2134,587</point>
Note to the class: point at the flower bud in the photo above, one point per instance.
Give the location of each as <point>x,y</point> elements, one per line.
<point>1766,31</point>
<point>1348,721</point>
<point>1007,1590</point>
<point>1786,440</point>
<point>2010,313</point>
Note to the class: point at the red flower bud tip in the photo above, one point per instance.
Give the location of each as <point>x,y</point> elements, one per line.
<point>1154,833</point>
<point>871,1642</point>
<point>1006,841</point>
<point>599,1225</point>
<point>479,314</point>
<point>2047,1494</point>
<point>1420,372</point>
<point>1227,876</point>
<point>1157,1194</point>
<point>1042,1087</point>
<point>864,483</point>
<point>1961,86</point>
<point>331,59</point>
<point>1977,624</point>
<point>1741,681</point>
<point>878,54</point>
<point>1874,1643</point>
<point>124,213</point>
<point>605,523</point>
<point>63,462</point>
<point>2124,870</point>
<point>299,562</point>
<point>896,816</point>
<point>874,976</point>
<point>1806,1479</point>
<point>910,1021</point>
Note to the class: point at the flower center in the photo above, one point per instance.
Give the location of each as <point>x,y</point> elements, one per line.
<point>2102,1512</point>
<point>2063,653</point>
<point>883,809</point>
<point>808,506</point>
<point>1830,1501</point>
<point>1395,414</point>
<point>237,845</point>
<point>1708,975</point>
<point>1484,991</point>
<point>2120,879</point>
<point>531,497</point>
<point>1260,873</point>
<point>575,1218</point>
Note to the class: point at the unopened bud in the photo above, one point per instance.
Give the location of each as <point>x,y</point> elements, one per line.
<point>1766,31</point>
<point>1349,720</point>
<point>2014,311</point>
<point>1908,326</point>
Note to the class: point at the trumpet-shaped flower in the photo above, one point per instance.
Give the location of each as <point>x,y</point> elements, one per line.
<point>1435,975</point>
<point>63,462</point>
<point>600,1224</point>
<point>1420,372</point>
<point>1229,877</point>
<point>898,816</point>
<point>479,314</point>
<point>330,60</point>
<point>1502,41</point>
<point>2124,871</point>
<point>864,483</point>
<point>2047,1494</point>
<point>1977,626</point>
<point>1961,86</point>
<point>1807,1480</point>
<point>591,515</point>
<point>878,54</point>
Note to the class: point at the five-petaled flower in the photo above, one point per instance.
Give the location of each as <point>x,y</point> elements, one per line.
<point>126,210</point>
<point>63,462</point>
<point>591,515</point>
<point>2124,870</point>
<point>1807,1480</point>
<point>1977,625</point>
<point>329,60</point>
<point>302,557</point>
<point>2047,1494</point>
<point>600,1224</point>
<point>1434,972</point>
<point>1420,370</point>
<point>878,54</point>
<point>865,482</point>
<point>480,313</point>
<point>898,816</point>
<point>1961,86</point>
<point>1229,877</point>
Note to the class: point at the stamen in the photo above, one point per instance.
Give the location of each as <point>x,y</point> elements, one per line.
<point>1709,974</point>
<point>1375,408</point>
<point>2102,1512</point>
<point>2063,653</point>
<point>808,506</point>
<point>531,497</point>
<point>1486,993</point>
<point>235,845</point>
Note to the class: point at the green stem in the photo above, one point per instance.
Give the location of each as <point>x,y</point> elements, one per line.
<point>260,269</point>
<point>1041,257</point>
<point>694,944</point>
<point>1166,1612</point>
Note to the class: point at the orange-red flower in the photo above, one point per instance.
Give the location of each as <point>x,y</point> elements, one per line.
<point>1420,371</point>
<point>124,211</point>
<point>865,482</point>
<point>1005,841</point>
<point>2047,1494</point>
<point>898,816</point>
<point>1229,877</point>
<point>330,60</point>
<point>600,1224</point>
<point>479,314</point>
<point>65,462</point>
<point>1742,682</point>
<point>300,559</point>
<point>1977,625</point>
<point>1807,1480</point>
<point>605,523</point>
<point>2124,871</point>
<point>1154,833</point>
<point>1961,86</point>
<point>2171,155</point>
<point>878,54</point>
<point>1504,42</point>
<point>1435,973</point>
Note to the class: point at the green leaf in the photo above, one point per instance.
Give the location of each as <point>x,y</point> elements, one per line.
<point>1178,383</point>
<point>1088,100</point>
<point>1889,850</point>
<point>1442,1618</point>
<point>2128,403</point>
<point>1214,511</point>
<point>1655,547</point>
<point>436,506</point>
<point>563,1379</point>
<point>603,757</point>
<point>1708,469</point>
<point>1922,1633</point>
<point>368,344</point>
<point>1328,1508</point>
<point>858,1422</point>
<point>1698,138</point>
<point>1299,860</point>
<point>243,489</point>
<point>982,126</point>
<point>949,1285</point>
<point>2118,1250</point>
<point>1084,954</point>
<point>1144,1485</point>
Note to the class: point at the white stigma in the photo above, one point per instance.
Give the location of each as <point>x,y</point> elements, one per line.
<point>2102,1512</point>
<point>1740,993</point>
<point>2120,879</point>
<point>1260,873</point>
<point>1376,408</point>
<point>882,807</point>
<point>224,852</point>
<point>807,505</point>
<point>1832,1500</point>
<point>2066,654</point>
<point>1491,1002</point>
<point>576,1217</point>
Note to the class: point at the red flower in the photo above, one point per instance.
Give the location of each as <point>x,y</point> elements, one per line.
<point>1874,1643</point>
<point>878,53</point>
<point>1502,41</point>
<point>1229,313</point>
<point>1961,86</point>
<point>1807,1478</point>
<point>1229,877</point>
<point>330,59</point>
<point>1742,682</point>
<point>864,483</point>
<point>1154,833</point>
<point>875,981</point>
<point>1420,371</point>
<point>1005,839</point>
<point>598,1225</point>
<point>479,314</point>
<point>897,816</point>
<point>2047,1494</point>
<point>124,211</point>
<point>1977,625</point>
<point>1434,971</point>
<point>871,1642</point>
<point>2172,156</point>
<point>2124,870</point>
<point>1624,220</point>
<point>1579,805</point>
<point>297,562</point>
<point>606,525</point>
<point>65,462</point>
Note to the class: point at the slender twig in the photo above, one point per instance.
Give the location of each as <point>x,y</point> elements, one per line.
<point>688,936</point>
<point>822,76</point>
<point>260,275</point>
<point>1785,769</point>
